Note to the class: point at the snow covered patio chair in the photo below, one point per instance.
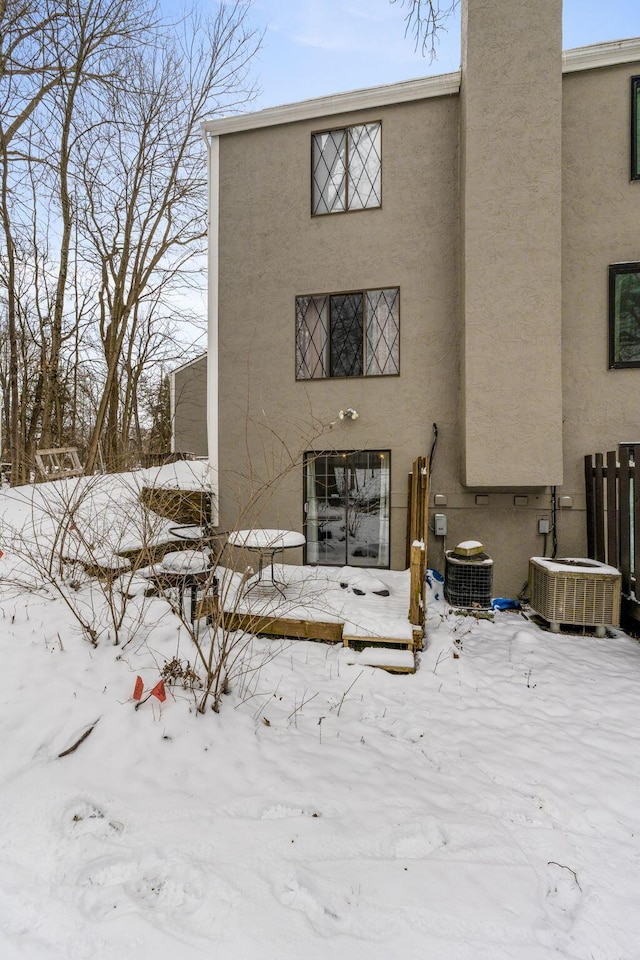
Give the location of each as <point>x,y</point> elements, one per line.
<point>193,571</point>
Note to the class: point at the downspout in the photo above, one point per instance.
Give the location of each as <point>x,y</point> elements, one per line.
<point>213,171</point>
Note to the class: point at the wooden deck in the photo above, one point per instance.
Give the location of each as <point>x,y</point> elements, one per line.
<point>324,632</point>
<point>278,626</point>
<point>317,608</point>
<point>368,627</point>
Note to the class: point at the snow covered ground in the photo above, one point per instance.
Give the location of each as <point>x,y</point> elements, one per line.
<point>485,808</point>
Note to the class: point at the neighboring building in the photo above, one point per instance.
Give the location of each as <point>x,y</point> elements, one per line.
<point>432,251</point>
<point>189,407</point>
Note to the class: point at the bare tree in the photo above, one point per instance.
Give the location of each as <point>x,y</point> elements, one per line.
<point>50,54</point>
<point>102,32</point>
<point>144,182</point>
<point>424,21</point>
<point>102,205</point>
<point>27,74</point>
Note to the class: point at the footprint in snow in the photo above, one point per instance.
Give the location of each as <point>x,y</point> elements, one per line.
<point>563,894</point>
<point>174,892</point>
<point>418,843</point>
<point>329,911</point>
<point>398,729</point>
<point>82,818</point>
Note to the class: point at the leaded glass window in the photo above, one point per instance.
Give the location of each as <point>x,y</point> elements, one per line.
<point>346,169</point>
<point>382,325</point>
<point>348,334</point>
<point>365,174</point>
<point>312,331</point>
<point>346,347</point>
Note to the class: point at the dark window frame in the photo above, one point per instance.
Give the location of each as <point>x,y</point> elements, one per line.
<point>361,292</point>
<point>386,452</point>
<point>635,130</point>
<point>617,270</point>
<point>345,129</point>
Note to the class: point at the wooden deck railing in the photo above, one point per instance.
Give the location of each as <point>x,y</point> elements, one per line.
<point>417,534</point>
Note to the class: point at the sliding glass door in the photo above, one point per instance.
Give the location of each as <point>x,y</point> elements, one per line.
<point>347,508</point>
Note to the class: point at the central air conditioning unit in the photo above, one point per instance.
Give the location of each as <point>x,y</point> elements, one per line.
<point>577,592</point>
<point>468,576</point>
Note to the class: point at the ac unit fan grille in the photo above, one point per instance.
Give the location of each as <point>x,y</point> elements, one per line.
<point>468,583</point>
<point>581,598</point>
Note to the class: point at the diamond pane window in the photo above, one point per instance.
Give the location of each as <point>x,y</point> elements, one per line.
<point>348,334</point>
<point>635,128</point>
<point>364,167</point>
<point>346,169</point>
<point>383,332</point>
<point>311,338</point>
<point>329,172</point>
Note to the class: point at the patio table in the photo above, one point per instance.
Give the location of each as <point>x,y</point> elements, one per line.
<point>266,543</point>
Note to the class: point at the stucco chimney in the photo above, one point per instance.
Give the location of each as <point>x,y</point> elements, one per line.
<point>511,242</point>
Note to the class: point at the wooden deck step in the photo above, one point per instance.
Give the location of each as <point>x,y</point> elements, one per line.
<point>357,642</point>
<point>393,661</point>
<point>396,655</point>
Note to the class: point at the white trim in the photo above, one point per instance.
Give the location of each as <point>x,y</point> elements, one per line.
<point>189,363</point>
<point>213,410</point>
<point>444,84</point>
<point>601,55</point>
<point>441,85</point>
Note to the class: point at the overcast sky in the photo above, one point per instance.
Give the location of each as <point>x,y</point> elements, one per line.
<point>317,47</point>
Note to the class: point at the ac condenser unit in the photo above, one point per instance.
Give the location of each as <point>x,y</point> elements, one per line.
<point>578,592</point>
<point>468,580</point>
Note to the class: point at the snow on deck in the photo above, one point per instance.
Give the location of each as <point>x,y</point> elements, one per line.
<point>315,594</point>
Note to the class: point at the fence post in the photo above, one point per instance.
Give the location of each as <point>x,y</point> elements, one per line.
<point>613,553</point>
<point>591,506</point>
<point>599,498</point>
<point>624,514</point>
<point>417,592</point>
<point>636,522</point>
<point>409,537</point>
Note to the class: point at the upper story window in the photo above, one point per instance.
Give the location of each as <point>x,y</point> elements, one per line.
<point>624,315</point>
<point>635,128</point>
<point>348,334</point>
<point>346,169</point>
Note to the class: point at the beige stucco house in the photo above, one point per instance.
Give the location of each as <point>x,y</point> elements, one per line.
<point>435,251</point>
<point>188,385</point>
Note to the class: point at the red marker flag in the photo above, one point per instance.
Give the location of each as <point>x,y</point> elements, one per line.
<point>139,687</point>
<point>158,691</point>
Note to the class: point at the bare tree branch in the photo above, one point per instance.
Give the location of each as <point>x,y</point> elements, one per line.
<point>424,21</point>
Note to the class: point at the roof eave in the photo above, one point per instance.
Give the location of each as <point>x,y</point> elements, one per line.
<point>440,85</point>
<point>609,54</point>
<point>596,55</point>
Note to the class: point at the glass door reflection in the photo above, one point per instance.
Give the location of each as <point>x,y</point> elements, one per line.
<point>347,508</point>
